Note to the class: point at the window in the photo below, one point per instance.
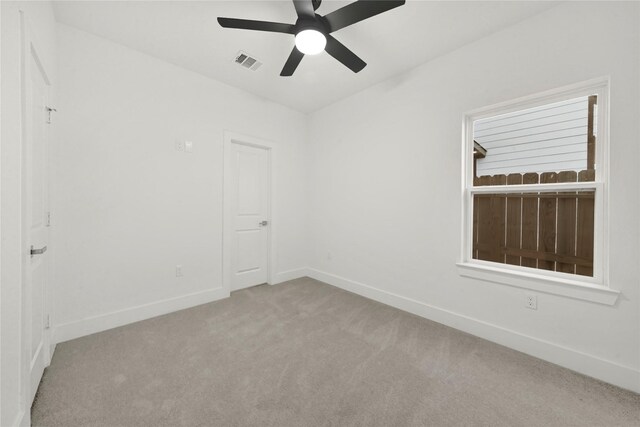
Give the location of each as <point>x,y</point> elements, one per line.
<point>535,175</point>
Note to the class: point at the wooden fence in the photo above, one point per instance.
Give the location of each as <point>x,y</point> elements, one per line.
<point>550,231</point>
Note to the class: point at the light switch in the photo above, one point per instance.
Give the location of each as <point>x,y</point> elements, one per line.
<point>188,146</point>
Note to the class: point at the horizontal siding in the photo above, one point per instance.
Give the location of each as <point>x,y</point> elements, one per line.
<point>523,156</point>
<point>549,138</point>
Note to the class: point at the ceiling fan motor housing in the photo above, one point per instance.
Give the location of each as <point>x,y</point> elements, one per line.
<point>311,24</point>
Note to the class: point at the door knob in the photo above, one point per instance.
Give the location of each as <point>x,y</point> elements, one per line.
<point>263,223</point>
<point>38,251</point>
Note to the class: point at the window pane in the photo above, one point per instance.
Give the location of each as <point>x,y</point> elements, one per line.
<point>538,143</point>
<point>549,231</point>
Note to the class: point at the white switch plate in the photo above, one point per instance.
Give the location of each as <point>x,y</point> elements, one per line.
<point>188,146</point>
<point>178,270</point>
<point>531,302</point>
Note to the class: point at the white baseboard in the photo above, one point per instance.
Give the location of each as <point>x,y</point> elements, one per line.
<point>52,351</point>
<point>91,325</point>
<point>604,370</point>
<point>290,275</point>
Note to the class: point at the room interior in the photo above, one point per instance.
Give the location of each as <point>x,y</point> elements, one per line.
<point>133,292</point>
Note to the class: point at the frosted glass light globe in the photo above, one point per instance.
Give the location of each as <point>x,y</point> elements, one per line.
<point>310,42</point>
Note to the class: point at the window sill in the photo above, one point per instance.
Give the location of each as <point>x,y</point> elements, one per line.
<point>550,285</point>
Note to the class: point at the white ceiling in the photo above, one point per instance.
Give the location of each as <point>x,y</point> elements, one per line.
<point>187,34</point>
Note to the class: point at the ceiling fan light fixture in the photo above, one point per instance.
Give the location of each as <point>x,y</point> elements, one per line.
<point>310,42</point>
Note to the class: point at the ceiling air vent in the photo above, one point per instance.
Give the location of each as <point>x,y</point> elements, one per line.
<point>247,61</point>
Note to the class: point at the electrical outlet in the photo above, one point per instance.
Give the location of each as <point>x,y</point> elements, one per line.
<point>531,302</point>
<point>178,270</point>
<point>179,145</point>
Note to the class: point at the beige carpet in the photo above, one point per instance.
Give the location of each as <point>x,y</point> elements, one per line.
<point>304,353</point>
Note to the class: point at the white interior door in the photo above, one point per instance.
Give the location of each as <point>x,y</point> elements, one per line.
<point>249,176</point>
<point>35,205</point>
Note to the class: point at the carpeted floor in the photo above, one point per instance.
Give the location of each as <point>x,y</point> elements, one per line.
<point>304,353</point>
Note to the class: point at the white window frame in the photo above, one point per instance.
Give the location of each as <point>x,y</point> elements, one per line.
<point>596,288</point>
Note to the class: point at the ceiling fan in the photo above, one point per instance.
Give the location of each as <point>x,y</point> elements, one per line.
<point>313,32</point>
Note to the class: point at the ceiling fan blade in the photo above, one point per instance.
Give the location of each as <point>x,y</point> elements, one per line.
<point>248,24</point>
<point>358,11</point>
<point>304,8</point>
<point>292,63</point>
<point>344,55</point>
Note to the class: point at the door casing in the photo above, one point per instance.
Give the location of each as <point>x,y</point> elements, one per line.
<point>227,221</point>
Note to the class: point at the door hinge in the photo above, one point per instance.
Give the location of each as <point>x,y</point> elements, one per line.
<point>48,219</point>
<point>49,110</point>
<point>47,323</point>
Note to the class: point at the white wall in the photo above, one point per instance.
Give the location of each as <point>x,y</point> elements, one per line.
<point>13,361</point>
<point>129,207</point>
<point>385,187</point>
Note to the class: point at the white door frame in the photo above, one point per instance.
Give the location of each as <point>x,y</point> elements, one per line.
<point>227,217</point>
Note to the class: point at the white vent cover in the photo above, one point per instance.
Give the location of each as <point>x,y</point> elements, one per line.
<point>247,61</point>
